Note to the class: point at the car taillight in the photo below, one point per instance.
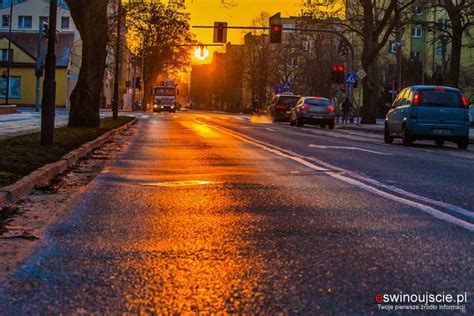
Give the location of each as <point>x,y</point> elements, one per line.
<point>439,89</point>
<point>330,109</point>
<point>464,101</point>
<point>280,107</point>
<point>305,107</point>
<point>417,98</point>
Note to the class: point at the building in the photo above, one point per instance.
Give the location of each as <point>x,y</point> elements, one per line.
<point>28,18</point>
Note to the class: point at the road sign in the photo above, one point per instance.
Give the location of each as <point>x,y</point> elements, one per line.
<point>351,78</point>
<point>361,74</point>
<point>286,86</point>
<point>278,90</point>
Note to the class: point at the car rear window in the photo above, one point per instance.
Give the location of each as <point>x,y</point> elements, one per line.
<point>320,102</point>
<point>288,101</point>
<point>442,98</point>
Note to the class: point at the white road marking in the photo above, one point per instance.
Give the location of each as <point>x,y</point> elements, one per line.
<point>350,148</point>
<point>270,129</point>
<point>462,156</point>
<point>403,200</point>
<point>145,116</point>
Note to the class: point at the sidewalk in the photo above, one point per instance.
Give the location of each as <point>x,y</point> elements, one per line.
<point>379,128</point>
<point>28,121</point>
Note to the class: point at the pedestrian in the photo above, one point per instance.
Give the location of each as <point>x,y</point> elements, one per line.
<point>346,110</point>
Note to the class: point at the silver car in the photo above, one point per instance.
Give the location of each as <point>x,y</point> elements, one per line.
<point>313,110</point>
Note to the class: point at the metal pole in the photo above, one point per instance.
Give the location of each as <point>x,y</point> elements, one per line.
<point>118,56</point>
<point>38,70</point>
<point>9,54</point>
<point>49,85</point>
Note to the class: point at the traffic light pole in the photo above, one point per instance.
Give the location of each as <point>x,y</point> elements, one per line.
<point>49,85</point>
<point>351,65</point>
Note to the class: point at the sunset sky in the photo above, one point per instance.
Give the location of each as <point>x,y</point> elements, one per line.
<point>205,12</point>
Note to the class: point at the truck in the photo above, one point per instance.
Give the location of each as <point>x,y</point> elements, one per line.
<point>164,97</point>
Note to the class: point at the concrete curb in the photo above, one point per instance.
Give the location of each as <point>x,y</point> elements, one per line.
<point>376,130</point>
<point>43,175</point>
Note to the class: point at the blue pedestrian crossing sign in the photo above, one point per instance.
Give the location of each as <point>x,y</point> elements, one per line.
<point>351,78</point>
<point>286,86</point>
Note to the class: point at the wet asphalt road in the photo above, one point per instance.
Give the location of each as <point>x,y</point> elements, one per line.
<point>193,219</point>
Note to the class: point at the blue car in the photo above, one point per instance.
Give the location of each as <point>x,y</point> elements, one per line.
<point>429,113</point>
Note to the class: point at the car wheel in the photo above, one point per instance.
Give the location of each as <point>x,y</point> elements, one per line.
<point>298,122</point>
<point>386,135</point>
<point>407,139</point>
<point>464,143</point>
<point>332,124</point>
<point>439,142</point>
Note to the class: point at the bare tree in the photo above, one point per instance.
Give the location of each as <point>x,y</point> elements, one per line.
<point>157,33</point>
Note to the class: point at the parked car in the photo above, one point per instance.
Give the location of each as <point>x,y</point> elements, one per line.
<point>313,110</point>
<point>429,113</point>
<point>280,107</point>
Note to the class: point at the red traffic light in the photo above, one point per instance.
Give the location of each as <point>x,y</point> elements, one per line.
<point>276,28</point>
<point>220,26</point>
<point>340,68</point>
<point>334,68</point>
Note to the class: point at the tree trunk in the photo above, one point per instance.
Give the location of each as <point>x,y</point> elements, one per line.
<point>455,63</point>
<point>90,17</point>
<point>370,85</point>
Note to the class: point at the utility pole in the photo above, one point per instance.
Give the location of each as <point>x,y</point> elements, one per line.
<point>39,69</point>
<point>9,55</point>
<point>118,56</point>
<point>49,85</point>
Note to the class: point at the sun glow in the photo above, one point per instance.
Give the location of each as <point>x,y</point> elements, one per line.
<point>201,53</point>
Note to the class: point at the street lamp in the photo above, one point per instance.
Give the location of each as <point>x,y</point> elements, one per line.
<point>115,104</point>
<point>49,85</point>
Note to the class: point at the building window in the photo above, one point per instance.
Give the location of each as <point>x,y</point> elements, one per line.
<point>25,22</point>
<point>65,22</point>
<point>5,20</point>
<point>393,47</point>
<point>43,20</point>
<point>418,10</point>
<point>417,32</point>
<point>443,24</point>
<point>441,48</point>
<point>15,87</point>
<point>4,54</point>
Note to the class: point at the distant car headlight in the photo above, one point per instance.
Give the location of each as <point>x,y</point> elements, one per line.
<point>162,106</point>
<point>172,106</point>
<point>156,105</point>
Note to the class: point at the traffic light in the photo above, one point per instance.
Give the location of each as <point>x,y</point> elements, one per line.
<point>275,33</point>
<point>338,74</point>
<point>220,32</point>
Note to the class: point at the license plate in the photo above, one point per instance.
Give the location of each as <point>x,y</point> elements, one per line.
<point>316,116</point>
<point>442,131</point>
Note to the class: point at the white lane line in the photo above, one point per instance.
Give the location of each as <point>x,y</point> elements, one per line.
<point>350,148</point>
<point>462,156</point>
<point>145,116</point>
<point>270,129</point>
<point>298,158</point>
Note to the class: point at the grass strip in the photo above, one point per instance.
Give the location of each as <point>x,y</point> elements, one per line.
<point>21,155</point>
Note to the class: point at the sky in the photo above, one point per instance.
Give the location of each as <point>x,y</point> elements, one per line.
<point>206,12</point>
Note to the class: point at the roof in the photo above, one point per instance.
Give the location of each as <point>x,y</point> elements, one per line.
<point>28,42</point>
<point>420,87</point>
